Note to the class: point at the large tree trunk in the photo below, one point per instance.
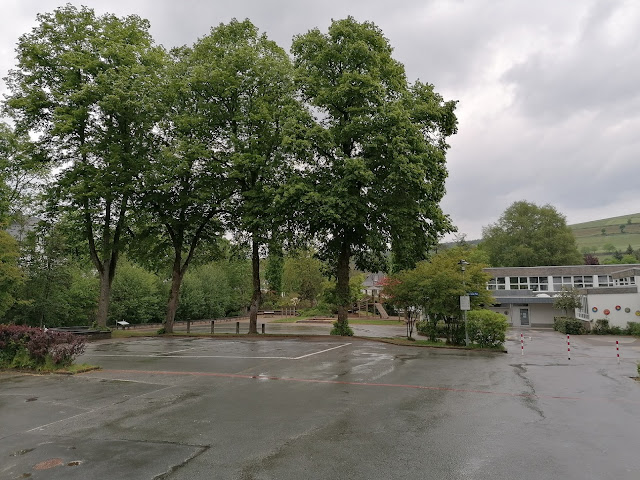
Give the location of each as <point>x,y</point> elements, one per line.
<point>257,292</point>
<point>174,296</point>
<point>106,278</point>
<point>343,294</point>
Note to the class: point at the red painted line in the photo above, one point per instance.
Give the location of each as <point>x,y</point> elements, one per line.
<point>338,382</point>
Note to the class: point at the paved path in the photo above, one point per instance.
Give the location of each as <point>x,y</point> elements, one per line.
<point>326,408</point>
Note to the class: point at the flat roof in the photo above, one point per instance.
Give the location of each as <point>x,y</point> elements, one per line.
<point>623,270</point>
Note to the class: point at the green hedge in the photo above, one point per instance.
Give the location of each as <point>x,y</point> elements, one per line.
<point>633,328</point>
<point>487,328</point>
<point>572,326</point>
<point>601,327</point>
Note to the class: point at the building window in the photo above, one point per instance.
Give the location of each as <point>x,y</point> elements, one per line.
<point>539,284</point>
<point>519,283</point>
<point>498,283</point>
<point>559,282</point>
<point>583,281</point>
<point>621,282</point>
<point>605,281</point>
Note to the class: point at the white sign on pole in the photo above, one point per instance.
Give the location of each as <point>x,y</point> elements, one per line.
<point>465,302</point>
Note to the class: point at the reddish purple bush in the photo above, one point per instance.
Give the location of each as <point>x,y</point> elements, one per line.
<point>60,347</point>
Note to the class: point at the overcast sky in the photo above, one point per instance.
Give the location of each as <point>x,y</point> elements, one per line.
<point>548,91</point>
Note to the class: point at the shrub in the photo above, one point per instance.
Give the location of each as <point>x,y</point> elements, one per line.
<point>572,326</point>
<point>601,327</point>
<point>486,328</point>
<point>453,330</point>
<point>342,329</point>
<point>616,330</point>
<point>633,328</point>
<point>27,347</point>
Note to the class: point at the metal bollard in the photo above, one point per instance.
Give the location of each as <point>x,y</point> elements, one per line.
<point>263,328</point>
<point>237,327</point>
<point>212,325</point>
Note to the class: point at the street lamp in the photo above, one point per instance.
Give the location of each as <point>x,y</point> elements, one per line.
<point>465,303</point>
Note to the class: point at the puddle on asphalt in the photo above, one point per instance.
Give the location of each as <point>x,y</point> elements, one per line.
<point>22,452</point>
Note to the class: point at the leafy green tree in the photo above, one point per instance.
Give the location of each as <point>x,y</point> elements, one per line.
<point>45,262</point>
<point>136,296</point>
<point>246,82</point>
<point>435,286</point>
<point>275,269</point>
<point>87,87</point>
<point>622,227</point>
<point>10,275</point>
<point>609,247</point>
<point>568,299</point>
<point>20,172</point>
<point>215,290</point>
<point>302,276</point>
<point>527,235</point>
<point>186,183</point>
<point>377,153</point>
<point>629,250</point>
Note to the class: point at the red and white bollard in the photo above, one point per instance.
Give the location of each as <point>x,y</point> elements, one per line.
<point>618,352</point>
<point>522,344</point>
<point>568,348</point>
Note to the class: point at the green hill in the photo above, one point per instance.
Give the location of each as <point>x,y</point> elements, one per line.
<point>617,231</point>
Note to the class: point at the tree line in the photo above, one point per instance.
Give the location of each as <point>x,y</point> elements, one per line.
<point>159,155</point>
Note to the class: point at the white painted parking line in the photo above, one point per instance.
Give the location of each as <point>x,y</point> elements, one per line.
<point>241,357</point>
<point>321,351</point>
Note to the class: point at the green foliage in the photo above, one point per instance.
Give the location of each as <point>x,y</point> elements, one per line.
<point>572,326</point>
<point>527,235</point>
<point>633,328</point>
<point>275,269</point>
<point>568,299</point>
<point>302,276</point>
<point>10,275</point>
<point>486,328</point>
<point>20,172</point>
<point>135,296</point>
<point>88,88</point>
<point>215,290</point>
<point>376,147</point>
<point>33,348</point>
<point>601,327</point>
<point>341,328</point>
<point>435,286</point>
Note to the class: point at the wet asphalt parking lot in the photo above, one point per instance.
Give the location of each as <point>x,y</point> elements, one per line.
<point>328,408</point>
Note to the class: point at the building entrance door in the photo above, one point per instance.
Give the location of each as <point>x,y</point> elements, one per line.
<point>524,317</point>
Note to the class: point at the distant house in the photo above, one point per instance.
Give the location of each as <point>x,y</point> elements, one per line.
<point>525,295</point>
<point>372,285</point>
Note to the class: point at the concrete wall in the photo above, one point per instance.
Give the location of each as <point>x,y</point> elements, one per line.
<point>608,302</point>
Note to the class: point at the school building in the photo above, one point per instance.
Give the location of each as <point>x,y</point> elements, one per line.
<point>525,295</point>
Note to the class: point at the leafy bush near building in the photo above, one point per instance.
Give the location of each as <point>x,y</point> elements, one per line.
<point>487,328</point>
<point>572,326</point>
<point>633,328</point>
<point>33,348</point>
<point>601,327</point>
